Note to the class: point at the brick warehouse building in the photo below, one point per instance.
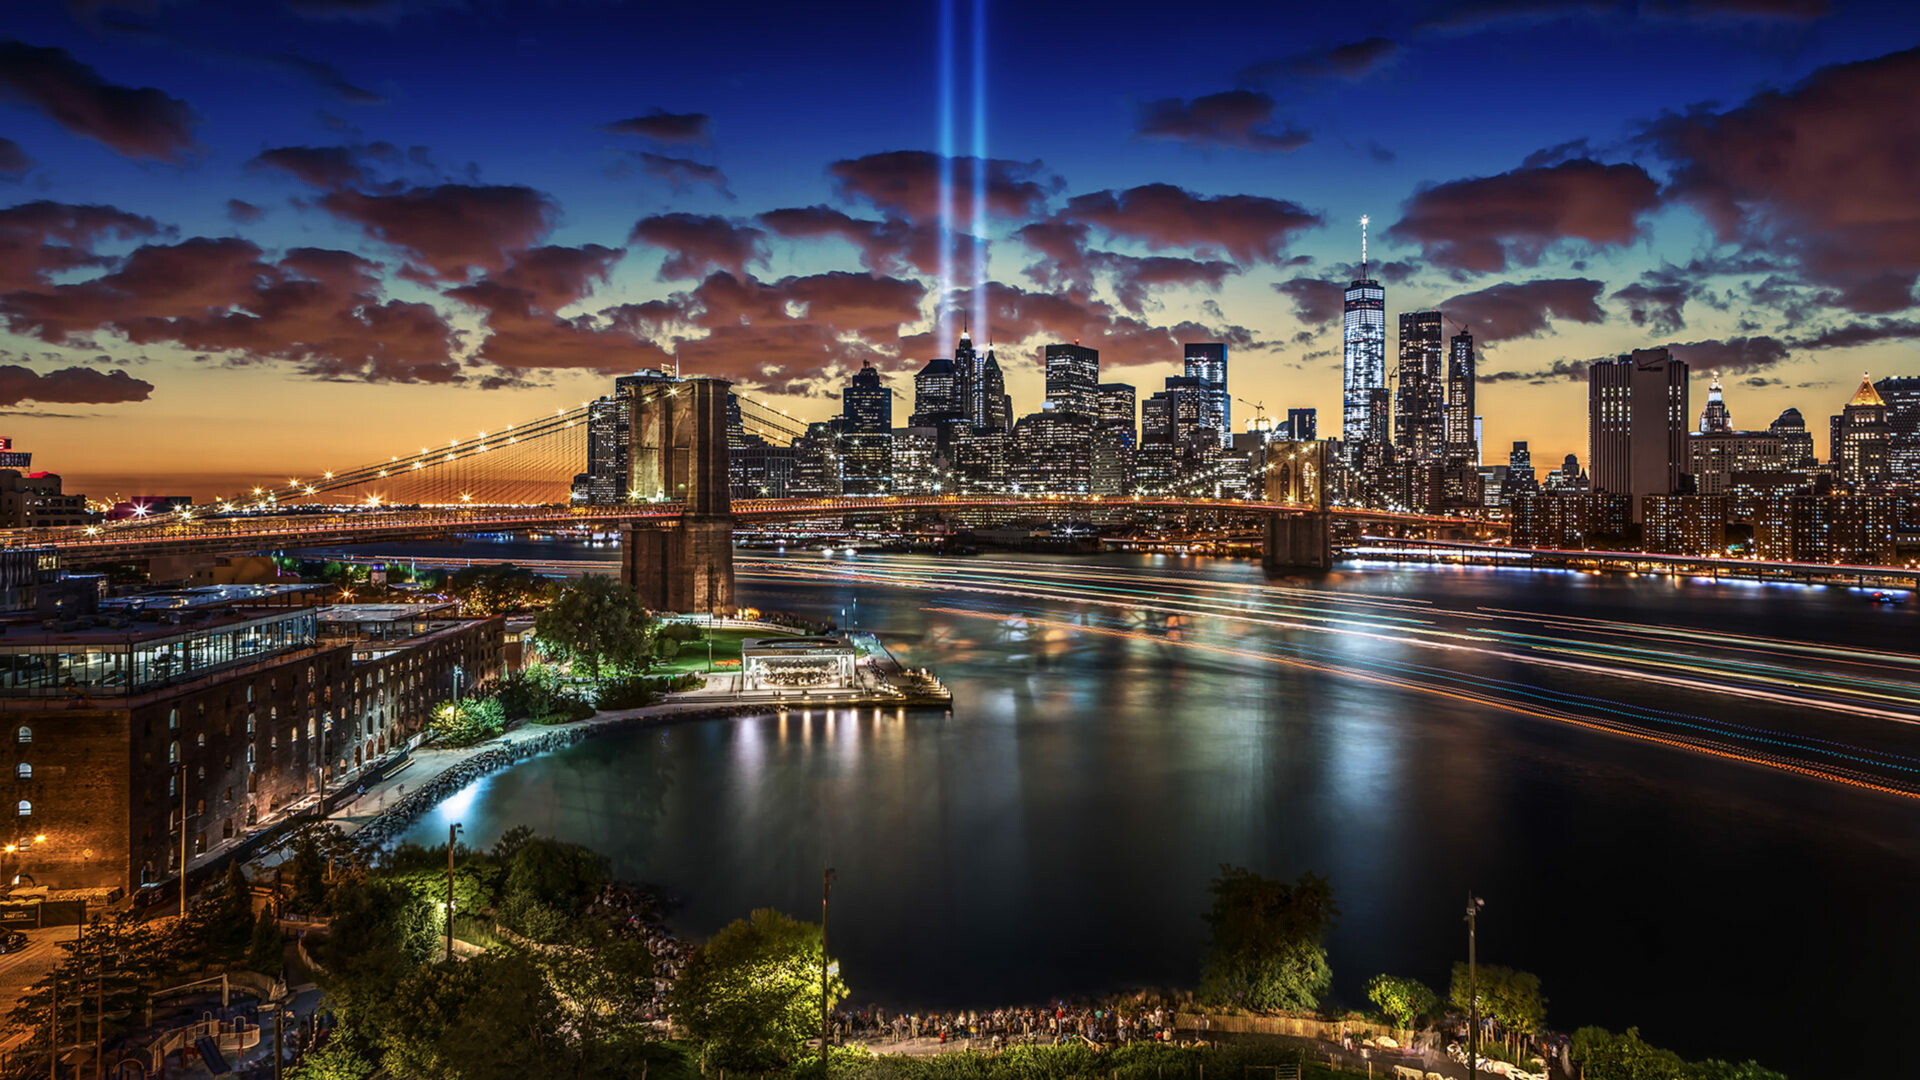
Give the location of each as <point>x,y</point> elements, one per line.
<point>116,725</point>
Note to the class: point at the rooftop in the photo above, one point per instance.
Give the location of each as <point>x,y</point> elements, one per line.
<point>1866,395</point>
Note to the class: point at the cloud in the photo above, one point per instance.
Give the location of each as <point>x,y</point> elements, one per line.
<point>70,386</point>
<point>1067,261</point>
<point>889,245</point>
<point>1248,228</point>
<point>452,228</point>
<point>682,173</point>
<point>802,334</point>
<point>14,162</point>
<point>1853,334</point>
<point>907,183</point>
<point>1476,14</point>
<point>138,122</point>
<point>521,306</point>
<point>1316,301</point>
<point>697,244</point>
<point>317,308</point>
<point>1822,172</point>
<point>449,228</point>
<point>326,77</point>
<point>1353,60</point>
<point>40,239</point>
<point>328,167</point>
<point>666,127</point>
<point>1233,118</point>
<point>1570,370</point>
<point>1525,308</point>
<point>1656,304</point>
<point>241,212</point>
<point>1731,354</point>
<point>1483,224</point>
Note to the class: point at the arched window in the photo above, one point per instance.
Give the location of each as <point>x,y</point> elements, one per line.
<point>24,809</point>
<point>249,691</point>
<point>200,740</point>
<point>25,734</point>
<point>250,723</point>
<point>309,674</point>
<point>23,771</point>
<point>173,753</point>
<point>173,719</point>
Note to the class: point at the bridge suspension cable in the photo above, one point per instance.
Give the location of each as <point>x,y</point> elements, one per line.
<point>767,421</point>
<point>528,463</point>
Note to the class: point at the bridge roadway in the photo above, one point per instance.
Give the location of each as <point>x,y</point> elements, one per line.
<point>204,534</point>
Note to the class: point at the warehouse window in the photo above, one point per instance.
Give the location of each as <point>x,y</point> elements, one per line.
<point>24,771</point>
<point>25,809</point>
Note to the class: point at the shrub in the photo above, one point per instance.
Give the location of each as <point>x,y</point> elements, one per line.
<point>468,722</point>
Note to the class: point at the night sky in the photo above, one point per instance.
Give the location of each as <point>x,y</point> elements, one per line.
<point>249,240</point>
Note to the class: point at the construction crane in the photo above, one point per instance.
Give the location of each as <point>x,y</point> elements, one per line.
<point>1457,324</point>
<point>1259,413</point>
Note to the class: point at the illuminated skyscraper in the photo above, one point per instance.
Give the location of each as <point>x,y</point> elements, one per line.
<point>1073,379</point>
<point>1207,361</point>
<point>1420,410</point>
<point>1715,419</point>
<point>1463,432</point>
<point>1862,442</point>
<point>1364,350</point>
<point>866,435</point>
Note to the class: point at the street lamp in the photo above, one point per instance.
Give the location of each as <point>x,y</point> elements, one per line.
<point>453,833</point>
<point>1474,904</point>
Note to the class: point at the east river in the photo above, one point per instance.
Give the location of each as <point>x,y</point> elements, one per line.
<point>1686,803</point>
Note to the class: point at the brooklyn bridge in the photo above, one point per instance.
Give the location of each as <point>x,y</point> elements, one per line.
<point>678,519</point>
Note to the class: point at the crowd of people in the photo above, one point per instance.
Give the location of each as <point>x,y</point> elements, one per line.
<point>1100,1023</point>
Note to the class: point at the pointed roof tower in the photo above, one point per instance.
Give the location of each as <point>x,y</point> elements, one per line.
<point>1866,395</point>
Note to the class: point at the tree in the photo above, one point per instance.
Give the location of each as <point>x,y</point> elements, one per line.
<point>594,622</point>
<point>308,869</point>
<point>468,721</point>
<point>750,998</point>
<point>494,1017</point>
<point>1266,952</point>
<point>266,954</point>
<point>1510,998</point>
<point>1404,1001</point>
<point>494,590</point>
<point>604,991</point>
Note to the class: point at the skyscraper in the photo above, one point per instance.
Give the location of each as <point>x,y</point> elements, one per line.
<point>968,393</point>
<point>1902,396</point>
<point>1118,410</point>
<point>1420,411</point>
<point>866,435</point>
<point>995,411</point>
<point>1715,419</point>
<point>1303,425</point>
<point>1363,349</point>
<point>1073,379</point>
<point>933,397</point>
<point>1207,361</point>
<point>1862,443</point>
<point>1463,434</point>
<point>1637,425</point>
<point>1796,442</point>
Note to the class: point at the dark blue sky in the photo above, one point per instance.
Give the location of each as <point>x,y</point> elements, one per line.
<point>1571,179</point>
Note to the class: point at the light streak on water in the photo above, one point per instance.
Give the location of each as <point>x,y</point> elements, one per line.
<point>1213,615</point>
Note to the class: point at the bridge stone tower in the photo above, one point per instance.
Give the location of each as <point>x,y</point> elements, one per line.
<point>1297,476</point>
<point>677,450</point>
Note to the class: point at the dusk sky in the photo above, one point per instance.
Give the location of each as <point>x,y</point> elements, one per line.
<point>258,239</point>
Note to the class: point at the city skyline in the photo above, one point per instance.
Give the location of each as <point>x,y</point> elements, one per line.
<point>374,238</point>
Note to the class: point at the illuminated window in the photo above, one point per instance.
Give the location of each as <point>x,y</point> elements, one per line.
<point>23,771</point>
<point>173,719</point>
<point>24,808</point>
<point>25,734</point>
<point>173,753</point>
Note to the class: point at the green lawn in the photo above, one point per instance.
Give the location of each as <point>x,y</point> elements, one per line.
<point>693,654</point>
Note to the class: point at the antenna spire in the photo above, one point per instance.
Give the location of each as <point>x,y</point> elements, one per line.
<point>1364,220</point>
